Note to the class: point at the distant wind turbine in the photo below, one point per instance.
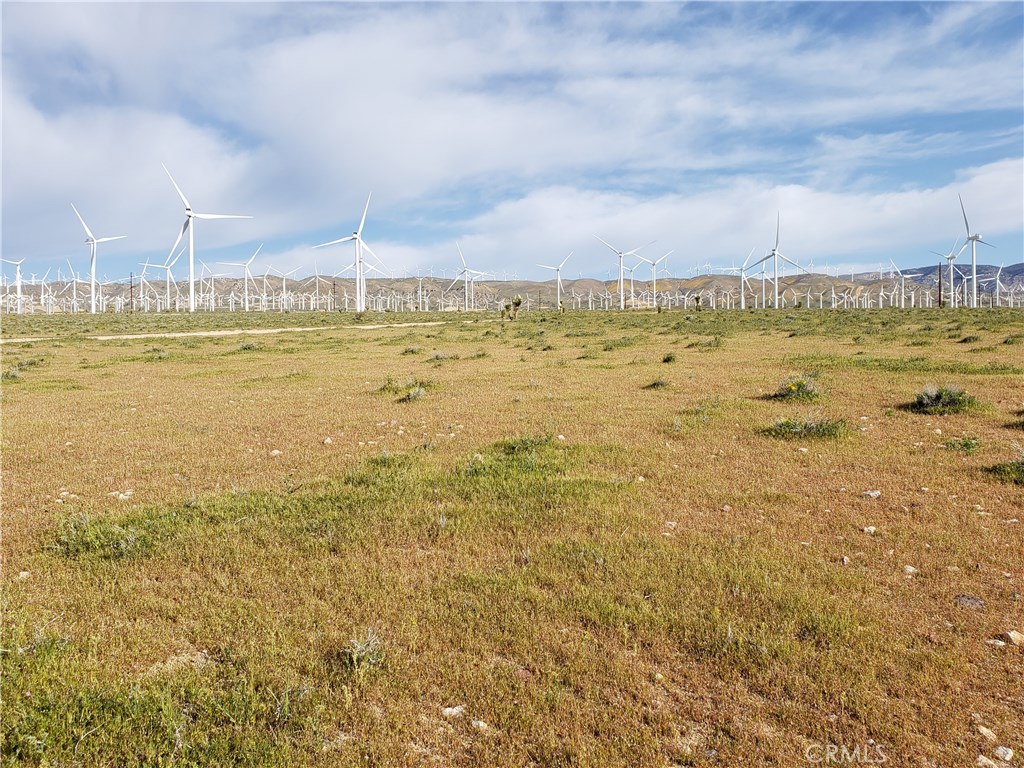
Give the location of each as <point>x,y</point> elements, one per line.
<point>92,241</point>
<point>187,226</point>
<point>622,280</point>
<point>359,263</point>
<point>973,239</point>
<point>558,279</point>
<point>247,274</point>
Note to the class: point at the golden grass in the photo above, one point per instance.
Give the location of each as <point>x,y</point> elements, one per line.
<point>603,574</point>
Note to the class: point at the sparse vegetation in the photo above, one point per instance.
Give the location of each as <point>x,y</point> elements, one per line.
<point>797,388</point>
<point>966,445</point>
<point>934,401</point>
<point>795,428</point>
<point>602,576</point>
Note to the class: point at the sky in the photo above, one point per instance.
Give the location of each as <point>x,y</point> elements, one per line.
<point>517,130</point>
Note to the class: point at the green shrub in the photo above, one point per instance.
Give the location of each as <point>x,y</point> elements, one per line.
<point>1010,471</point>
<point>934,400</point>
<point>806,428</point>
<point>966,445</point>
<point>798,388</point>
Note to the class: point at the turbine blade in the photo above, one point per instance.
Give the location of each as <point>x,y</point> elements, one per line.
<point>87,232</point>
<point>964,211</point>
<point>334,242</point>
<point>983,242</point>
<point>253,256</point>
<point>460,254</point>
<point>219,216</point>
<point>613,248</point>
<point>108,239</point>
<point>778,226</point>
<point>565,260</point>
<point>177,188</point>
<point>184,228</point>
<point>365,209</point>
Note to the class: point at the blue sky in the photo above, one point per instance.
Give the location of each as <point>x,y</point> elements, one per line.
<point>519,130</point>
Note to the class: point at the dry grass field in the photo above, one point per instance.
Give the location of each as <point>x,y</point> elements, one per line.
<point>560,541</point>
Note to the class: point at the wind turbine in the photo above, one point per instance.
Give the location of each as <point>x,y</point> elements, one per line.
<point>654,273</point>
<point>92,241</point>
<point>775,255</point>
<point>621,254</point>
<point>558,280</point>
<point>189,216</point>
<point>950,258</point>
<point>360,275</point>
<point>17,279</point>
<point>973,240</point>
<point>247,274</point>
<point>464,274</point>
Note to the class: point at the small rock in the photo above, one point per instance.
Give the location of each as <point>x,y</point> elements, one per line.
<point>726,508</point>
<point>327,441</point>
<point>23,575</point>
<point>870,530</point>
<point>480,725</point>
<point>937,431</point>
<point>275,452</point>
<point>802,450</point>
<point>1003,753</point>
<point>996,643</point>
<point>658,676</point>
<point>872,494</point>
<point>1013,637</point>
<point>561,438</point>
<point>969,601</point>
<point>640,479</point>
<point>456,711</point>
<point>984,762</point>
<point>670,524</point>
<point>909,570</point>
<point>988,733</point>
<point>844,560</point>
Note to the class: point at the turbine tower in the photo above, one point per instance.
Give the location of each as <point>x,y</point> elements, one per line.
<point>187,226</point>
<point>973,240</point>
<point>558,280</point>
<point>621,255</point>
<point>247,274</point>
<point>92,241</point>
<point>359,263</point>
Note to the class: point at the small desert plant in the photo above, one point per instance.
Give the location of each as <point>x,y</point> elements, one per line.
<point>362,654</point>
<point>411,351</point>
<point>806,428</point>
<point>670,357</point>
<point>942,400</point>
<point>802,388</point>
<point>966,445</point>
<point>413,394</point>
<point>657,384</point>
<point>80,536</point>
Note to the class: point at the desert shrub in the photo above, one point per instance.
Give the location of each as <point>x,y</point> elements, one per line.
<point>799,388</point>
<point>657,384</point>
<point>806,428</point>
<point>966,445</point>
<point>934,400</point>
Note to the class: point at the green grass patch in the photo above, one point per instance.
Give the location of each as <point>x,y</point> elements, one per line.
<point>799,428</point>
<point>1009,471</point>
<point>797,388</point>
<point>966,445</point>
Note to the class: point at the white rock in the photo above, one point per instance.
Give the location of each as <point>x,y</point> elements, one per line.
<point>909,570</point>
<point>996,643</point>
<point>275,452</point>
<point>1003,753</point>
<point>872,494</point>
<point>802,450</point>
<point>480,725</point>
<point>984,762</point>
<point>1013,637</point>
<point>870,530</point>
<point>456,711</point>
<point>561,437</point>
<point>937,431</point>
<point>670,524</point>
<point>845,560</point>
<point>327,441</point>
<point>23,575</point>
<point>988,733</point>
